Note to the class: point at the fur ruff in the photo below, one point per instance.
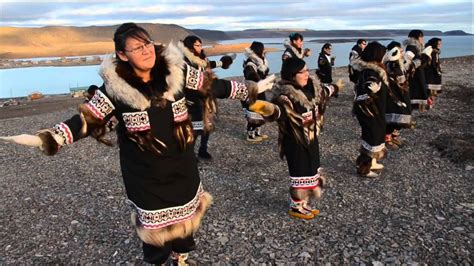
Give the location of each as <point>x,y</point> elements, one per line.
<point>287,44</point>
<point>195,60</point>
<point>295,95</point>
<point>119,88</point>
<point>159,237</point>
<point>412,42</point>
<point>262,64</point>
<point>360,65</point>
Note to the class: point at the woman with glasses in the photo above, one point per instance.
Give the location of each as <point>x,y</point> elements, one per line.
<point>325,64</point>
<point>296,105</point>
<point>145,88</point>
<point>202,110</point>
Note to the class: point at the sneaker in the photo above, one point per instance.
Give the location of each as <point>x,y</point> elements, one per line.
<point>301,214</point>
<point>204,155</point>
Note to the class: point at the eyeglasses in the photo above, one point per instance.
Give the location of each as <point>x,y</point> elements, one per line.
<point>140,48</point>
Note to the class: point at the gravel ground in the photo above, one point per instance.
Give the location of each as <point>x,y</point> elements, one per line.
<point>69,208</point>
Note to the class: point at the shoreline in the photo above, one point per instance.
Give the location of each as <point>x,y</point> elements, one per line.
<point>93,58</point>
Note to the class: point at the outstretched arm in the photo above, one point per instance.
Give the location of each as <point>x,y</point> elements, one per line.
<point>91,120</point>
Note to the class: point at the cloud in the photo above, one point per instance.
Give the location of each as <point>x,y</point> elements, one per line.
<point>245,14</point>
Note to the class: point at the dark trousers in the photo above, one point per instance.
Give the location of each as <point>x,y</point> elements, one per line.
<point>159,255</point>
<point>204,139</point>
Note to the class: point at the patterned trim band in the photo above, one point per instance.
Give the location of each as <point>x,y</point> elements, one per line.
<point>194,78</point>
<point>253,115</point>
<point>180,110</point>
<point>136,121</point>
<point>156,219</point>
<point>307,182</point>
<point>238,90</point>
<point>100,105</point>
<point>64,132</point>
<point>372,149</point>
<point>362,97</point>
<point>198,125</point>
<point>434,87</point>
<point>418,101</point>
<point>397,118</point>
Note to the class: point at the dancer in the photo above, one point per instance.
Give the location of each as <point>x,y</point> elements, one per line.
<point>294,47</point>
<point>325,64</point>
<point>296,105</point>
<point>201,111</point>
<point>398,108</point>
<point>417,58</point>
<point>369,108</point>
<point>354,55</point>
<point>145,88</point>
<point>255,69</point>
<point>433,71</point>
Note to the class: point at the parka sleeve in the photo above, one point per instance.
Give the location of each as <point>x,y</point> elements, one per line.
<point>91,121</point>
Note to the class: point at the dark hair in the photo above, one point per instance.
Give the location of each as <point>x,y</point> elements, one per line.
<point>374,52</point>
<point>393,44</point>
<point>433,42</point>
<point>415,34</point>
<point>291,67</point>
<point>294,36</point>
<point>325,46</point>
<point>129,30</point>
<point>190,40</point>
<point>257,48</point>
<point>359,41</point>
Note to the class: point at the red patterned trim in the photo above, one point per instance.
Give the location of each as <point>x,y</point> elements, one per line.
<point>100,105</point>
<point>306,182</point>
<point>155,219</point>
<point>238,90</point>
<point>64,131</point>
<point>180,110</point>
<point>136,121</point>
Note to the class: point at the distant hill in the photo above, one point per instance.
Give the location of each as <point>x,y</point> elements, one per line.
<point>74,41</point>
<point>455,33</point>
<point>283,33</point>
<point>58,41</point>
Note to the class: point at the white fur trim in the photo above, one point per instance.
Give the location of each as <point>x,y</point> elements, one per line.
<point>259,63</point>
<point>287,44</point>
<point>192,58</point>
<point>118,89</point>
<point>175,62</point>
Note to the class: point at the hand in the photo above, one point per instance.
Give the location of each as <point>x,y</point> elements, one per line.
<point>266,84</point>
<point>374,87</point>
<point>307,52</point>
<point>226,61</point>
<point>427,51</point>
<point>262,107</point>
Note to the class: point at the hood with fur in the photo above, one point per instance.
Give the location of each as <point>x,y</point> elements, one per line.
<point>289,89</point>
<point>121,88</point>
<point>262,64</point>
<point>413,42</point>
<point>360,65</point>
<point>287,44</point>
<point>195,60</point>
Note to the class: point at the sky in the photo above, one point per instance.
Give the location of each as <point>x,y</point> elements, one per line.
<point>441,15</point>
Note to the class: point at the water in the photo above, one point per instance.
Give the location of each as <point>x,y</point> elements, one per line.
<point>20,82</point>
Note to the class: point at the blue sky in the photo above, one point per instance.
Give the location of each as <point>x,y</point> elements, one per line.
<point>239,15</point>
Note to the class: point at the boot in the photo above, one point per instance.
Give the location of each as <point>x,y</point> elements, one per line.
<point>204,155</point>
<point>180,259</point>
<point>375,166</point>
<point>389,143</point>
<point>306,206</point>
<point>259,134</point>
<point>298,211</point>
<point>252,137</point>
